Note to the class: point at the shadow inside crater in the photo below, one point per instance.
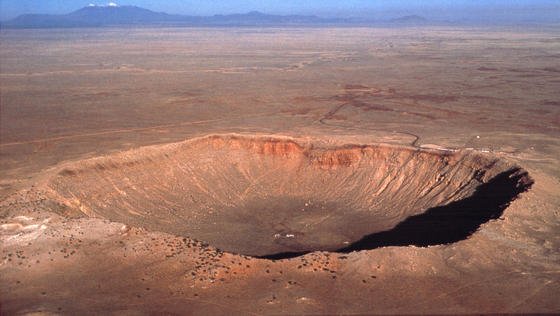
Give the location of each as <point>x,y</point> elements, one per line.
<point>444,224</point>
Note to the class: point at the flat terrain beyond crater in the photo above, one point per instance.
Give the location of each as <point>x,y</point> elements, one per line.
<point>280,197</point>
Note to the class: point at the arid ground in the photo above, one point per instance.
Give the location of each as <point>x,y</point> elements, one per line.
<point>280,171</point>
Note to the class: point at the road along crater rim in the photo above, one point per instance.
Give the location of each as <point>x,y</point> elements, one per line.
<point>279,197</point>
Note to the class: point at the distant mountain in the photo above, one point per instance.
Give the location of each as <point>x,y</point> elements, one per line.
<point>113,15</point>
<point>255,17</point>
<point>94,16</point>
<point>107,15</point>
<point>410,19</point>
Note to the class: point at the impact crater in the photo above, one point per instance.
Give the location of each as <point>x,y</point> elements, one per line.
<point>279,197</point>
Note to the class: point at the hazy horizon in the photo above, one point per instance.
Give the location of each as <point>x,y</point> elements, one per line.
<point>476,11</point>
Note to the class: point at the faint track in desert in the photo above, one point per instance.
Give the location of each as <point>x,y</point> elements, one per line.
<point>126,130</point>
<point>339,107</point>
<point>506,275</point>
<point>351,100</point>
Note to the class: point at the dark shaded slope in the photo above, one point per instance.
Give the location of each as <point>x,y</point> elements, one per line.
<point>445,224</point>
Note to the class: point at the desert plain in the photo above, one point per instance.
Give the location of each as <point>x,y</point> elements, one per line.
<point>240,170</point>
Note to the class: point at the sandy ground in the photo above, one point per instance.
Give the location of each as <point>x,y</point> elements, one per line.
<point>69,95</point>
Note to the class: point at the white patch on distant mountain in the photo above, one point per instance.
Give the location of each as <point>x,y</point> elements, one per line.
<point>110,4</point>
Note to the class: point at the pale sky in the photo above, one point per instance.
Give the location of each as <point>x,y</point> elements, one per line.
<point>435,9</point>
